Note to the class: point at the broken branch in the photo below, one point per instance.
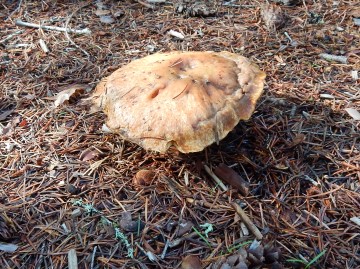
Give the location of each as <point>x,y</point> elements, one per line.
<point>85,31</point>
<point>335,58</point>
<point>252,227</point>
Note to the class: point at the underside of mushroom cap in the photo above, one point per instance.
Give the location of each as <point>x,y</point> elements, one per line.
<point>184,99</point>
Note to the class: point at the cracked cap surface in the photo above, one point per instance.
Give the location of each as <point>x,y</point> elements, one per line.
<point>184,99</point>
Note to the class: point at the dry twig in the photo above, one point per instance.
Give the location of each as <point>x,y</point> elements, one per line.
<point>52,28</point>
<point>247,221</point>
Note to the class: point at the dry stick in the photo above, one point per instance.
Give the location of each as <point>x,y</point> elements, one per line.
<point>318,195</point>
<point>218,181</point>
<point>317,219</point>
<point>72,259</point>
<point>247,221</point>
<point>176,34</point>
<point>145,4</point>
<point>85,31</point>
<point>16,10</point>
<point>336,58</point>
<point>93,258</point>
<point>67,34</point>
<point>43,46</point>
<point>11,36</point>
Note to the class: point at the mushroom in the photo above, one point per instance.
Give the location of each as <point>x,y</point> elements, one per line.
<point>188,100</point>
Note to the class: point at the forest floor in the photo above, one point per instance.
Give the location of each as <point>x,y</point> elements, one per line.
<point>68,197</point>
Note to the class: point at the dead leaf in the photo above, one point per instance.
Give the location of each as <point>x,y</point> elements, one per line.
<point>288,2</point>
<point>257,250</point>
<point>118,13</point>
<point>356,220</point>
<point>9,128</point>
<point>127,224</point>
<point>8,247</point>
<point>279,59</point>
<point>6,113</point>
<point>354,75</point>
<point>101,12</point>
<point>72,189</point>
<point>298,139</point>
<point>184,227</point>
<point>356,21</point>
<point>191,262</point>
<point>234,179</point>
<point>23,123</point>
<point>236,261</point>
<point>273,17</point>
<point>107,19</point>
<point>88,154</point>
<point>271,254</point>
<point>281,166</point>
<point>69,91</point>
<point>355,12</point>
<point>143,177</point>
<point>353,113</point>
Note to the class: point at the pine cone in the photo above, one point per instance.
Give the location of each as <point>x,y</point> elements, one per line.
<point>255,256</point>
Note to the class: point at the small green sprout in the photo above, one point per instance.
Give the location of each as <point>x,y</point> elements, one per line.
<point>201,236</point>
<point>308,264</point>
<point>122,237</point>
<point>89,208</point>
<point>105,221</point>
<point>208,228</point>
<point>237,246</point>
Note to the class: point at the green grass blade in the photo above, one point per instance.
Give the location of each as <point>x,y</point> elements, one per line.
<point>317,257</point>
<point>202,237</point>
<point>240,245</point>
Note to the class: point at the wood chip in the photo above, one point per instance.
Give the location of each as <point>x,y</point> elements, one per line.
<point>6,113</point>
<point>43,46</point>
<point>334,58</point>
<point>176,34</point>
<point>8,247</point>
<point>72,259</point>
<point>327,96</point>
<point>88,154</point>
<point>68,92</point>
<point>353,113</point>
<point>354,75</point>
<point>356,220</point>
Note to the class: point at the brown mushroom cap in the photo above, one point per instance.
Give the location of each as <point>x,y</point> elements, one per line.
<point>184,99</point>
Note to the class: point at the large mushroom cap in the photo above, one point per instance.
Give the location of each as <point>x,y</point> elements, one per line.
<point>184,99</point>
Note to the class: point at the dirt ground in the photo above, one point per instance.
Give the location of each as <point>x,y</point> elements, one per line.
<point>68,198</point>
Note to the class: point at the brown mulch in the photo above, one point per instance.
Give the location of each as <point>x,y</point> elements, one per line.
<point>66,185</point>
